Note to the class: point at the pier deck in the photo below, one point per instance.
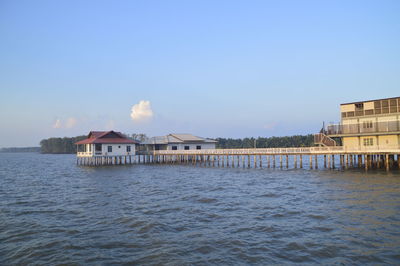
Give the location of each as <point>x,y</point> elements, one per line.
<point>368,158</point>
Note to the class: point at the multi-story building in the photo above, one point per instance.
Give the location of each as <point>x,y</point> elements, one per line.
<point>371,124</point>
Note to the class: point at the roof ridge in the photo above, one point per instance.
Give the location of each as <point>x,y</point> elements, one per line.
<point>104,133</point>
<point>174,135</point>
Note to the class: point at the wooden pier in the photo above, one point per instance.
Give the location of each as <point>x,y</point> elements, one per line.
<point>310,157</point>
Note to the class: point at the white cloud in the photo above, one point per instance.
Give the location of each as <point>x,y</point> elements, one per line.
<point>110,125</point>
<point>141,111</point>
<point>57,123</point>
<point>270,126</point>
<point>71,122</point>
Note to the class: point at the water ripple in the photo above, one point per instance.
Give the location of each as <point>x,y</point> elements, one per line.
<point>53,212</point>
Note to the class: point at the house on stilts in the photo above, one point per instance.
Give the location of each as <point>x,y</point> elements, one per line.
<point>105,147</point>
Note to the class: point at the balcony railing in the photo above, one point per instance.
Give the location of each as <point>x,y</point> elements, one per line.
<point>362,128</point>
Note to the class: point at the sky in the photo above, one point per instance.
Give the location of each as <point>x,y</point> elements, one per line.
<point>210,68</point>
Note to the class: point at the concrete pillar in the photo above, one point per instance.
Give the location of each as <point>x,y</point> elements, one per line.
<point>387,165</point>
<point>287,161</point>
<point>301,161</point>
<point>316,161</point>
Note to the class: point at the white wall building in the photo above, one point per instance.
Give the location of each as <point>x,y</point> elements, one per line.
<point>178,142</point>
<point>105,143</point>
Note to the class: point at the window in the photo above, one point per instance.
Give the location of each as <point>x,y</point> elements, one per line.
<point>359,106</point>
<point>174,148</point>
<point>97,147</point>
<point>109,148</point>
<point>368,142</point>
<point>369,112</point>
<point>90,147</point>
<point>128,148</point>
<point>187,148</point>
<point>198,147</point>
<point>367,124</point>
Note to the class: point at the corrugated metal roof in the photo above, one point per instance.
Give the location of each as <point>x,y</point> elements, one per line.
<point>177,138</point>
<point>186,137</point>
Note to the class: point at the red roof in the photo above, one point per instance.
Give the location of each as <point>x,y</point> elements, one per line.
<point>106,137</point>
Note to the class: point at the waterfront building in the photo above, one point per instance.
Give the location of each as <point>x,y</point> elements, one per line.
<point>177,142</point>
<point>372,124</point>
<point>105,143</point>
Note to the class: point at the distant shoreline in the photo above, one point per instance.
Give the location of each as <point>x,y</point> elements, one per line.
<point>20,149</point>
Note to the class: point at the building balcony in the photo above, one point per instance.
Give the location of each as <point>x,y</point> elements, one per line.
<point>366,128</point>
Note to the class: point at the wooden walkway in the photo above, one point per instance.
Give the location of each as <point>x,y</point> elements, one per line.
<point>310,157</point>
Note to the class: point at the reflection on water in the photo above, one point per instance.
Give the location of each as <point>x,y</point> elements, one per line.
<point>52,211</point>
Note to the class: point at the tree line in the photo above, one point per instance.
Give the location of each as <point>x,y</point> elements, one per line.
<point>20,149</point>
<point>271,142</point>
<point>66,145</point>
<point>60,145</point>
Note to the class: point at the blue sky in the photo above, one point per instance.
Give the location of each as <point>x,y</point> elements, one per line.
<point>211,68</point>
